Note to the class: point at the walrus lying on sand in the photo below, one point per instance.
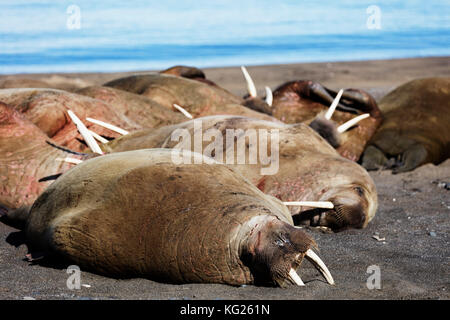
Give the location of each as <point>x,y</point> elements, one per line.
<point>25,157</point>
<point>197,98</point>
<point>251,100</point>
<point>137,214</point>
<point>416,129</point>
<point>140,109</point>
<point>333,115</point>
<point>47,109</point>
<point>300,166</point>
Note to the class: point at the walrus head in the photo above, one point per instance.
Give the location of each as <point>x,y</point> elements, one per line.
<point>275,250</point>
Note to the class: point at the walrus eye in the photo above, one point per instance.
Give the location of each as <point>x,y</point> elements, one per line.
<point>360,191</point>
<point>281,241</point>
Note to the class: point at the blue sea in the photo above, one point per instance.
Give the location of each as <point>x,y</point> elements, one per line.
<point>107,36</point>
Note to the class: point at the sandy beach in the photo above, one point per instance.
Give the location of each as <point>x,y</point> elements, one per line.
<point>412,221</point>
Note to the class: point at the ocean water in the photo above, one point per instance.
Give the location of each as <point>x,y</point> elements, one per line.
<point>96,36</point>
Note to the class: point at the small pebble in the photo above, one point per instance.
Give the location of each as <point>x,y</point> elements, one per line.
<point>28,298</point>
<point>433,234</point>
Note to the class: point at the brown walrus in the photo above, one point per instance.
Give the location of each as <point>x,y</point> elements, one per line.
<point>199,99</point>
<point>25,158</point>
<point>135,214</point>
<point>140,109</point>
<point>309,169</point>
<point>47,109</point>
<point>307,101</point>
<point>416,129</point>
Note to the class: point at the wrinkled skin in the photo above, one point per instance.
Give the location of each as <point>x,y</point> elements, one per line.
<point>47,109</point>
<point>416,129</point>
<point>199,99</point>
<point>25,158</point>
<point>141,110</point>
<point>307,101</point>
<point>309,169</point>
<point>137,214</point>
<point>254,103</point>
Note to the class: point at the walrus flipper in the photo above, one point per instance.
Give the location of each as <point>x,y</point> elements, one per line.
<point>412,158</point>
<point>374,159</point>
<point>15,218</point>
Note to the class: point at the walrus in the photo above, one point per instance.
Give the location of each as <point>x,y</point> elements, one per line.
<point>140,109</point>
<point>250,100</point>
<point>137,214</point>
<point>308,101</point>
<point>416,129</point>
<point>25,158</point>
<point>308,168</point>
<point>47,109</point>
<point>199,99</point>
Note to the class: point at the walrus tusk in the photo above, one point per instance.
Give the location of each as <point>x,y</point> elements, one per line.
<point>85,133</point>
<point>269,96</point>
<point>108,126</point>
<point>318,263</point>
<point>250,84</point>
<point>350,123</point>
<point>183,111</point>
<point>313,204</point>
<point>69,160</point>
<point>334,105</point>
<point>295,277</point>
<point>98,137</point>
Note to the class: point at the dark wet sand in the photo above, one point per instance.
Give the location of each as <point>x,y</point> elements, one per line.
<point>413,217</point>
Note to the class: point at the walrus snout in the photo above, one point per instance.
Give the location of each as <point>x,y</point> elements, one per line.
<point>351,210</point>
<point>275,251</point>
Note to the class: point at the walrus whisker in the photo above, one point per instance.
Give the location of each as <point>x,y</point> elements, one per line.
<point>98,137</point>
<point>312,204</point>
<point>319,265</point>
<point>85,133</point>
<point>334,105</point>
<point>250,84</point>
<point>183,111</point>
<point>108,126</point>
<point>69,160</point>
<point>293,275</point>
<point>350,123</point>
<point>66,150</point>
<point>269,96</point>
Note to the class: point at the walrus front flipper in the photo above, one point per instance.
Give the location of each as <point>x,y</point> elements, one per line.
<point>374,159</point>
<point>411,159</point>
<point>15,218</point>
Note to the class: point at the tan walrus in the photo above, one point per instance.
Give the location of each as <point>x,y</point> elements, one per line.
<point>416,129</point>
<point>137,214</point>
<point>309,169</point>
<point>199,99</point>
